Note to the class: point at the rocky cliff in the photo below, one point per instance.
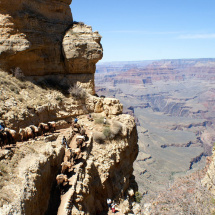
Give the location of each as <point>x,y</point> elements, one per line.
<point>40,38</point>
<point>28,172</point>
<point>53,60</point>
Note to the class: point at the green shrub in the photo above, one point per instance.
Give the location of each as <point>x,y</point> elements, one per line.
<point>138,197</point>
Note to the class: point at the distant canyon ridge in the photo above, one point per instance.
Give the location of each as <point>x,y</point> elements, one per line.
<point>173,102</point>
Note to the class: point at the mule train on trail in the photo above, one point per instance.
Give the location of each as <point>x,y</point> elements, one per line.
<point>10,136</point>
<point>7,137</point>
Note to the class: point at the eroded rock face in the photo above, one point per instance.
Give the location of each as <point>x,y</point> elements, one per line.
<point>40,38</point>
<point>28,190</point>
<point>82,49</point>
<point>106,173</point>
<point>32,33</point>
<point>209,179</point>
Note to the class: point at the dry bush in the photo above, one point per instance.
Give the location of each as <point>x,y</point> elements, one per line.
<point>77,92</point>
<point>99,137</point>
<point>99,120</point>
<point>116,128</point>
<point>107,133</point>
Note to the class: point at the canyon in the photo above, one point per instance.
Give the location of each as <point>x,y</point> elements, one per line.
<point>47,73</point>
<point>173,102</point>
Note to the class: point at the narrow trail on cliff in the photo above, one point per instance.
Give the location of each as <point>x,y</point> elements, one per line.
<point>66,197</point>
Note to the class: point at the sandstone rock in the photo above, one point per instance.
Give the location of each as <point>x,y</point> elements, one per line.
<point>108,173</point>
<point>98,107</point>
<point>112,106</point>
<point>31,183</point>
<point>31,35</point>
<point>136,209</point>
<point>82,49</point>
<point>41,40</point>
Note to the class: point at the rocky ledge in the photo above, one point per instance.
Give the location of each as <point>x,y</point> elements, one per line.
<point>105,171</point>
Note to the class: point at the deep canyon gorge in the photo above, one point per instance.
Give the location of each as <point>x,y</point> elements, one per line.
<point>173,102</point>
<point>145,130</point>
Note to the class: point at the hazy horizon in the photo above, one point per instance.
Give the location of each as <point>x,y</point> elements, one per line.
<point>104,62</point>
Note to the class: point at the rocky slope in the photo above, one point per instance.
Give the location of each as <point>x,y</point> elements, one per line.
<point>209,180</point>
<point>28,172</point>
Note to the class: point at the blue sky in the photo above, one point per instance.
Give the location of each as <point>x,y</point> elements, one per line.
<point>150,29</point>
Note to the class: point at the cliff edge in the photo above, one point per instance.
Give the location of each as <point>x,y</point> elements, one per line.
<point>47,66</point>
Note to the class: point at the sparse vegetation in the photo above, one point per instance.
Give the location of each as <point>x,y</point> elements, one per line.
<point>99,137</point>
<point>99,120</point>
<point>138,197</point>
<point>110,131</point>
<point>77,92</point>
<point>107,132</point>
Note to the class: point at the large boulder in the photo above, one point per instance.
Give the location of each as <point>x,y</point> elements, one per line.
<point>32,33</point>
<point>82,49</point>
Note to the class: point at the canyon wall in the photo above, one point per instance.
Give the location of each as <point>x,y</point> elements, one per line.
<point>28,176</point>
<point>48,54</point>
<point>28,173</point>
<point>40,38</point>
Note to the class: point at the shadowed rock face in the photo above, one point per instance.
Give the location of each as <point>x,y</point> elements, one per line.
<point>32,33</point>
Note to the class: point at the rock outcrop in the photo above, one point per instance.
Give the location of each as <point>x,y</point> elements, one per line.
<point>104,171</point>
<point>40,38</point>
<point>29,174</point>
<point>82,49</point>
<point>23,104</point>
<point>107,173</point>
<point>54,59</point>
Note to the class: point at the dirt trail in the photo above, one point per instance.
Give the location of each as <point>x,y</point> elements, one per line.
<point>66,197</point>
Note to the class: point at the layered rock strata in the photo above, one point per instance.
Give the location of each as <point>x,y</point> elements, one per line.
<point>40,38</point>
<point>105,171</point>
